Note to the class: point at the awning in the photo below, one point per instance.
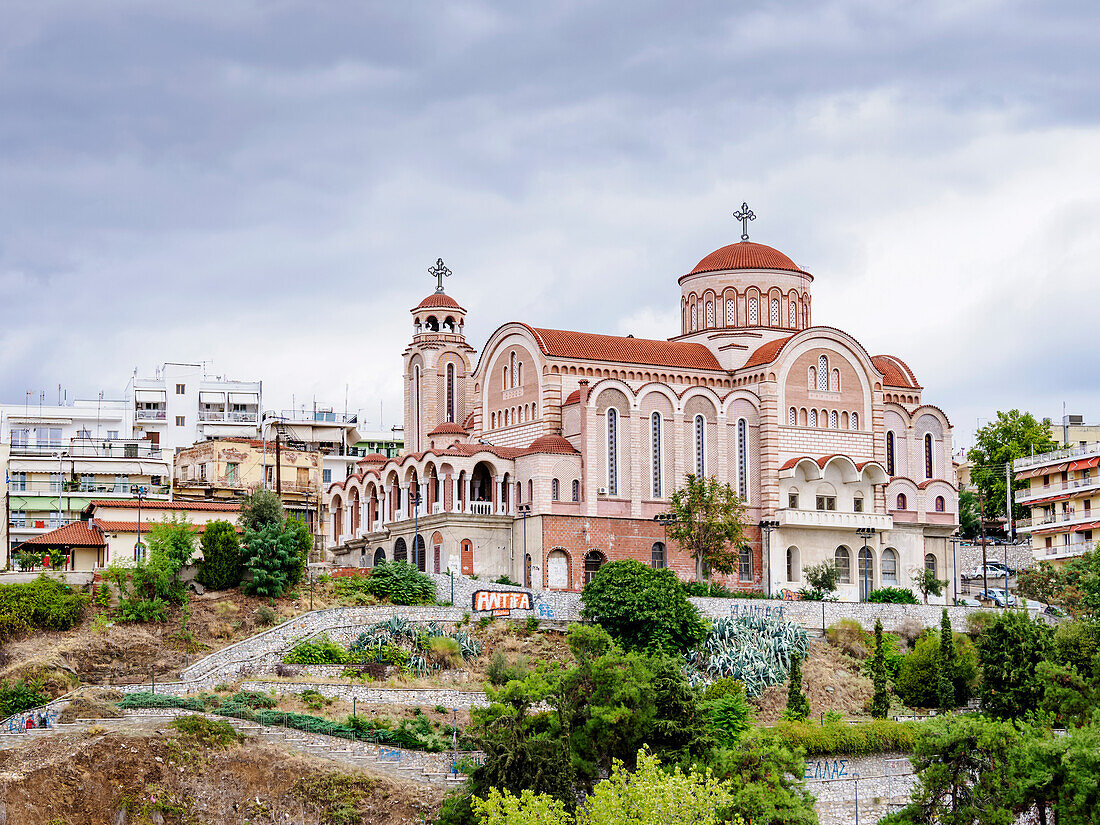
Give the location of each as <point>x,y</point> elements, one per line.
<point>149,396</point>
<point>244,398</point>
<point>1085,463</point>
<point>1026,474</point>
<point>211,397</point>
<point>1080,528</point>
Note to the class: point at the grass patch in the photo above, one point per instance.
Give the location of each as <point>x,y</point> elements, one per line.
<point>339,798</point>
<point>209,733</point>
<point>861,739</point>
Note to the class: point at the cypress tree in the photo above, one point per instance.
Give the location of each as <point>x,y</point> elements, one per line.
<point>797,703</point>
<point>880,703</point>
<point>945,665</point>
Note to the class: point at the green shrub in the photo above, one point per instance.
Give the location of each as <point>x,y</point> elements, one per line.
<point>892,595</point>
<point>209,733</point>
<point>532,624</point>
<point>160,700</point>
<point>916,681</point>
<point>314,699</point>
<point>730,716</point>
<point>506,580</point>
<point>978,621</point>
<point>445,650</point>
<point>863,739</point>
<point>1076,645</point>
<point>643,609</point>
<point>400,583</point>
<point>20,695</point>
<point>720,688</point>
<point>250,699</point>
<point>757,650</point>
<point>142,610</point>
<point>221,566</point>
<point>43,604</point>
<point>266,616</point>
<point>500,671</point>
<point>353,590</point>
<point>714,590</point>
<point>850,637</point>
<point>319,652</point>
<point>892,658</point>
<point>273,556</point>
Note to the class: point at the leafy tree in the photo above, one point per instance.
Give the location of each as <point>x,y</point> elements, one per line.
<point>1010,651</point>
<point>303,544</point>
<point>821,582</point>
<point>966,773</point>
<point>918,676</point>
<point>768,781</point>
<point>1012,435</point>
<point>649,794</point>
<point>261,508</point>
<point>270,555</point>
<point>946,665</point>
<point>1074,586</point>
<point>709,524</point>
<point>221,566</point>
<point>400,583</point>
<point>643,609</point>
<point>798,705</point>
<point>969,528</point>
<point>681,722</point>
<point>1068,697</point>
<point>880,702</point>
<point>927,584</point>
<point>1060,775</point>
<point>1077,644</point>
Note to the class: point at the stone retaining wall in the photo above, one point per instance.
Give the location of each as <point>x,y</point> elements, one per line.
<point>413,697</point>
<point>881,784</point>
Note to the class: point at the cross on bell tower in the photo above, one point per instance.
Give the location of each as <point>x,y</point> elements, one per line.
<point>744,214</point>
<point>439,272</point>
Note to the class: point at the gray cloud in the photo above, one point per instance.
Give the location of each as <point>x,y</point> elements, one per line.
<point>263,184</point>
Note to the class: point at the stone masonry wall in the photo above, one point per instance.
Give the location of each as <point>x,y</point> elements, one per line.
<point>881,784</point>
<point>413,697</point>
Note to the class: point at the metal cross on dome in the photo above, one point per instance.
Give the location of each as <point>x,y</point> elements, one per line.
<point>439,272</point>
<point>744,214</point>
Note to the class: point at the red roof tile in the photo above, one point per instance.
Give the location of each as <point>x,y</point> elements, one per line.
<point>573,398</point>
<point>895,371</point>
<point>224,506</point>
<point>766,353</point>
<point>132,526</point>
<point>472,449</point>
<point>551,444</point>
<point>449,428</point>
<point>77,534</point>
<point>373,458</point>
<point>745,255</point>
<point>439,299</point>
<point>589,346</point>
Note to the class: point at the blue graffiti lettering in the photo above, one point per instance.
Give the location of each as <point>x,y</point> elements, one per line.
<point>393,754</point>
<point>545,611</point>
<point>826,769</point>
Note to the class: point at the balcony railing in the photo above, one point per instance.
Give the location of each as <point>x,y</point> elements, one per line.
<point>231,416</point>
<point>39,523</point>
<point>150,415</point>
<point>1055,455</point>
<point>319,416</point>
<point>1054,489</point>
<point>90,448</point>
<point>834,519</point>
<point>1059,551</point>
<point>232,482</point>
<point>1055,518</point>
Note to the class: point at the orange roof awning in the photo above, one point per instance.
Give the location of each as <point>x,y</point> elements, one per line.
<point>1085,463</point>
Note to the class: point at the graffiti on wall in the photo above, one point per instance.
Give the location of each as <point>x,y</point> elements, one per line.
<point>501,602</point>
<point>826,769</point>
<point>756,610</point>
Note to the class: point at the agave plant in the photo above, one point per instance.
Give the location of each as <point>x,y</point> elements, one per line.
<point>757,650</point>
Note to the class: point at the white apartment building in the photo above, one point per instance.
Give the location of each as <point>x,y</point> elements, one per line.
<point>181,405</point>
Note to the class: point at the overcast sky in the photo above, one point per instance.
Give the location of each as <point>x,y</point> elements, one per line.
<point>262,185</point>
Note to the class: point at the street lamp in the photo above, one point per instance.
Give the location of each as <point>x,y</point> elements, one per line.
<point>665,519</point>
<point>864,533</point>
<point>525,511</point>
<point>767,525</point>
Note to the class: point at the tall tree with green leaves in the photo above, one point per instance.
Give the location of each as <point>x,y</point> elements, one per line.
<point>880,702</point>
<point>709,523</point>
<point>1010,651</point>
<point>927,584</point>
<point>968,514</point>
<point>260,508</point>
<point>270,555</point>
<point>221,566</point>
<point>1012,435</point>
<point>945,665</point>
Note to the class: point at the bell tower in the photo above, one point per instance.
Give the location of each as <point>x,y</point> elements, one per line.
<point>437,366</point>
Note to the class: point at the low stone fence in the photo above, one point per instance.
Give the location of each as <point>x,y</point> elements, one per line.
<point>414,697</point>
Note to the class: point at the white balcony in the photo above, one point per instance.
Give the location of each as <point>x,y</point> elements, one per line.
<point>833,519</point>
<point>1069,488</point>
<point>481,508</point>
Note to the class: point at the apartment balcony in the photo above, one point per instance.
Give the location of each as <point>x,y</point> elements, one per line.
<point>833,519</point>
<point>1055,456</point>
<point>316,416</point>
<point>225,482</point>
<point>83,488</point>
<point>36,525</point>
<point>1062,551</point>
<point>228,417</point>
<point>150,415</point>
<point>89,448</point>
<point>1047,519</point>
<point>1062,489</point>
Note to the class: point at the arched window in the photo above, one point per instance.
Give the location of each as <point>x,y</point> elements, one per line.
<point>928,442</point>
<point>855,421</point>
<point>889,566</point>
<point>866,573</point>
<point>657,556</point>
<point>710,314</point>
<point>813,418</point>
<point>593,561</point>
<point>775,312</point>
<point>612,451</point>
<point>890,453</point>
<point>419,554</point>
<point>379,556</point>
<point>743,459</point>
<point>655,452</point>
<point>754,317</point>
<point>844,421</point>
<point>731,313</point>
<point>555,490</point>
<point>530,490</point>
<point>416,402</point>
<point>793,319</point>
<point>822,372</point>
<point>857,503</point>
<point>843,561</point>
<point>504,377</point>
<point>512,370</point>
<point>792,416</point>
<point>700,446</point>
<point>534,409</point>
<point>902,502</point>
<point>744,564</point>
<point>519,380</point>
<point>400,550</point>
<point>832,420</point>
<point>694,317</point>
<point>576,490</point>
<point>941,504</point>
<point>450,391</point>
<point>930,563</point>
<point>813,378</point>
<point>794,571</point>
<point>834,381</point>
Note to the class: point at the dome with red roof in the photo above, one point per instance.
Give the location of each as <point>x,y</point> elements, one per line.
<point>551,444</point>
<point>449,428</point>
<point>439,299</point>
<point>373,458</point>
<point>745,255</point>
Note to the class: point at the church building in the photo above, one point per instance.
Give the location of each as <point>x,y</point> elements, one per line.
<point>551,452</point>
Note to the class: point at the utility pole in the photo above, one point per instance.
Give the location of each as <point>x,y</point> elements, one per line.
<point>981,525</point>
<point>278,465</point>
<point>1008,503</point>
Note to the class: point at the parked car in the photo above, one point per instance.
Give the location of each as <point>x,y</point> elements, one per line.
<point>998,597</point>
<point>992,571</point>
<point>963,601</point>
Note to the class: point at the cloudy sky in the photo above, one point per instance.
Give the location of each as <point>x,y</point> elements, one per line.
<point>262,185</point>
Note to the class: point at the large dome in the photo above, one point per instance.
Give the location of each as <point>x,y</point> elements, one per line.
<point>745,255</point>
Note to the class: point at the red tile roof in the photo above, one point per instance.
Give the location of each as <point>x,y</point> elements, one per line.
<point>766,353</point>
<point>472,449</point>
<point>745,255</point>
<point>77,534</point>
<point>373,458</point>
<point>449,428</point>
<point>588,346</point>
<point>226,506</point>
<point>132,526</point>
<point>573,398</point>
<point>895,371</point>
<point>551,444</point>
<point>438,299</point>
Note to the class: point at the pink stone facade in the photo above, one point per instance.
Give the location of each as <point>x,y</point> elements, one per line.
<point>554,451</point>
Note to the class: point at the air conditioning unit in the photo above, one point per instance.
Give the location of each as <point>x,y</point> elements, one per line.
<point>601,491</point>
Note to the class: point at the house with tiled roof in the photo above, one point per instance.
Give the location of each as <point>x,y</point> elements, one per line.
<point>550,452</point>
